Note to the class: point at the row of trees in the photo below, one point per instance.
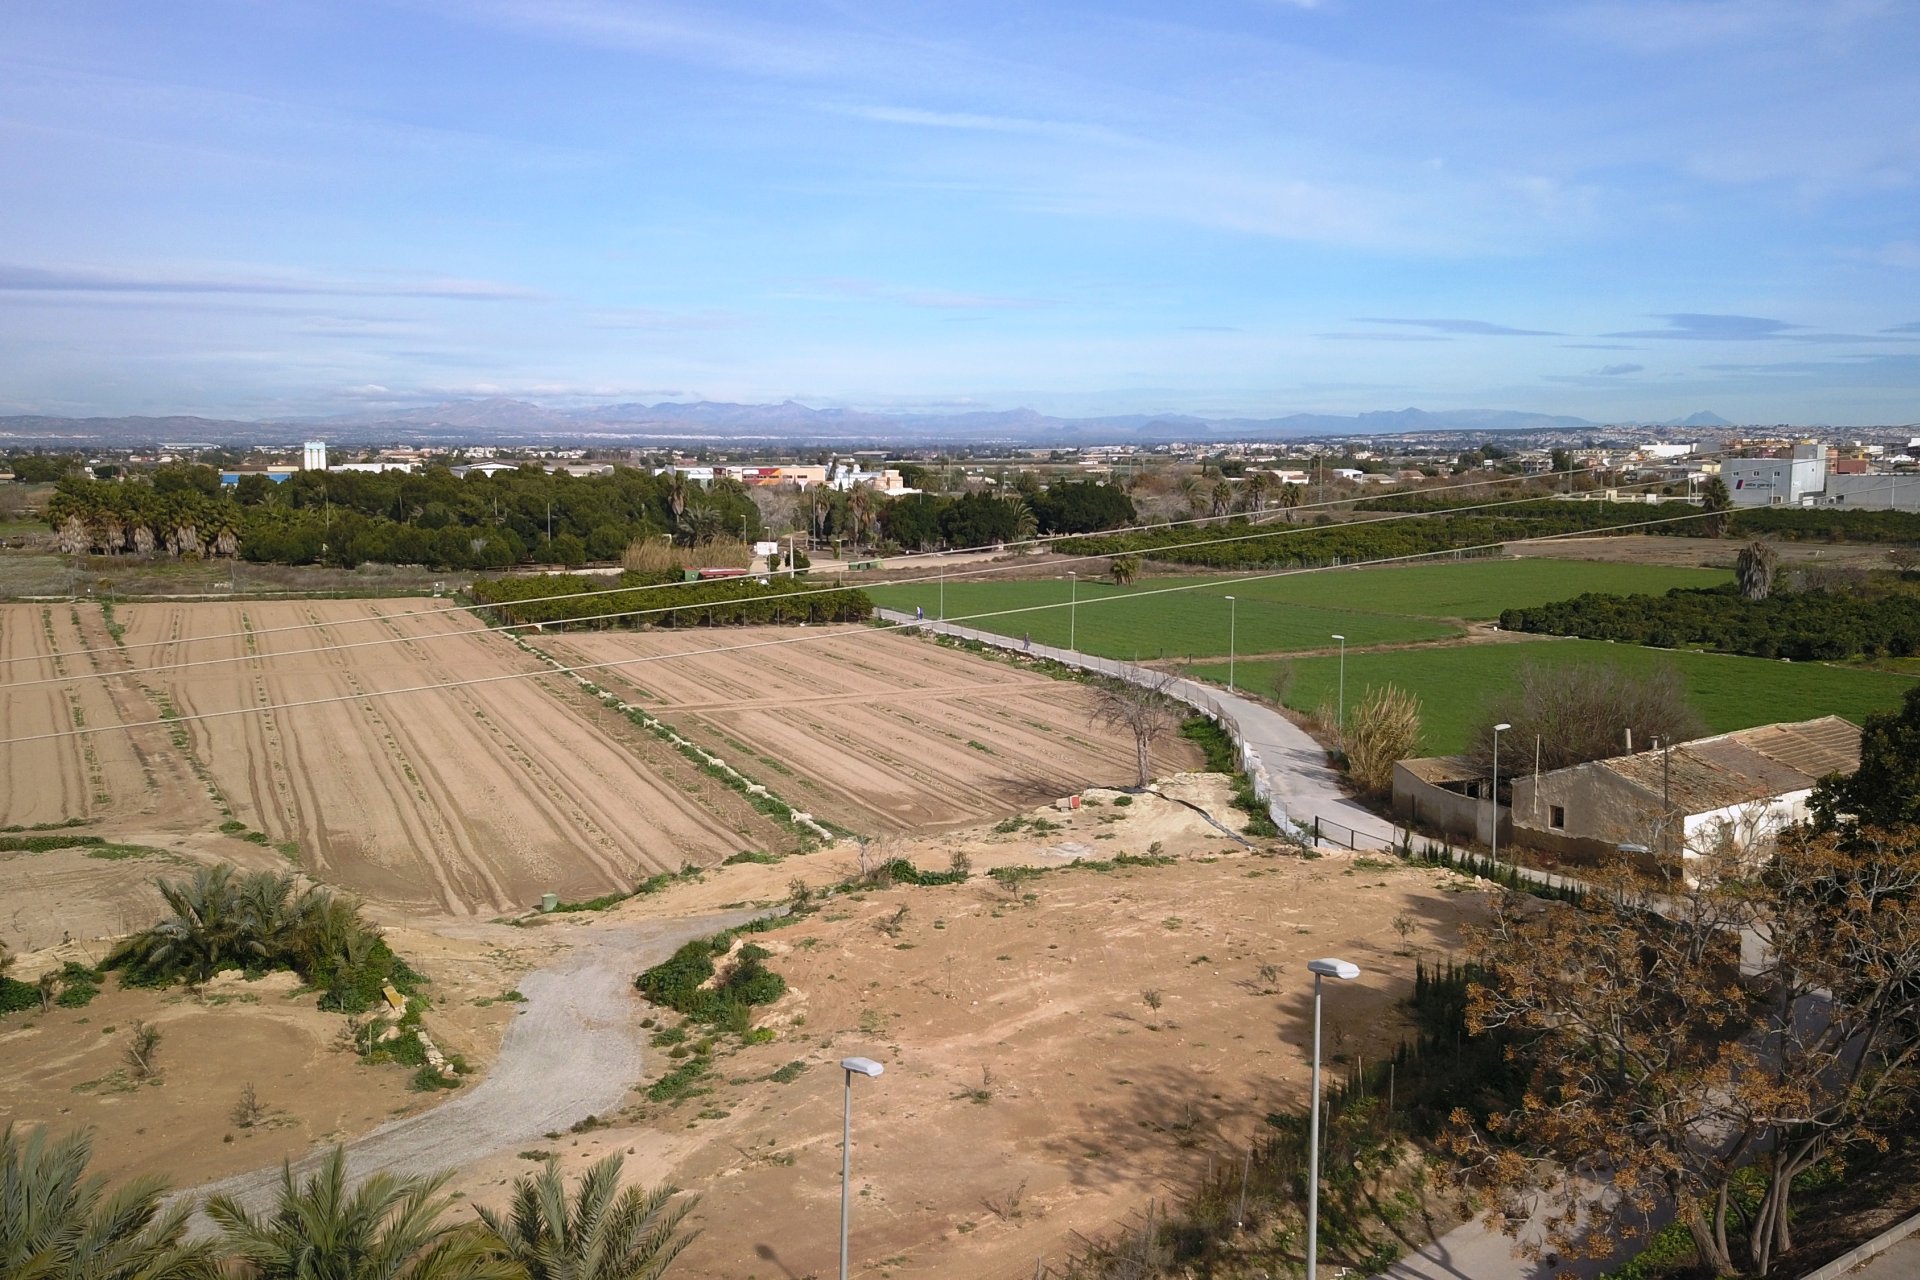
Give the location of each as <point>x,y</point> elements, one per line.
<point>571,600</point>
<point>57,1222</point>
<point>345,518</point>
<point>1804,626</point>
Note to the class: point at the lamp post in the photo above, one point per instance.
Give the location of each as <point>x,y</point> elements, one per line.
<point>1346,971</point>
<point>1342,704</point>
<point>1497,731</point>
<point>1073,604</point>
<point>1233,611</point>
<point>853,1067</point>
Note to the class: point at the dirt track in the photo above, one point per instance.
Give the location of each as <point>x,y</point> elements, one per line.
<point>573,1051</point>
<point>875,729</point>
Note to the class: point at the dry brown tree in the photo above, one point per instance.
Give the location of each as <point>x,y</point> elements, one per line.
<point>1661,1069</point>
<point>1583,712</point>
<point>1143,710</point>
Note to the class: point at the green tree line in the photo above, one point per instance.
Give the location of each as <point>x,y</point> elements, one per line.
<point>562,599</point>
<point>1804,626</point>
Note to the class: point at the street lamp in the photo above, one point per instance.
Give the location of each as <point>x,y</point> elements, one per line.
<point>1342,720</point>
<point>1497,731</point>
<point>1347,971</point>
<point>1233,611</point>
<point>853,1067</point>
<point>1073,604</point>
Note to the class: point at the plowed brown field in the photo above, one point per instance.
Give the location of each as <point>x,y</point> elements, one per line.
<point>874,729</point>
<point>461,800</point>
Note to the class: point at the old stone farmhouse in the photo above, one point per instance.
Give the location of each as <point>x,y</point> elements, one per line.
<point>1732,788</point>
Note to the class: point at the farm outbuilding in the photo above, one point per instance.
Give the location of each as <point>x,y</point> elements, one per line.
<point>1734,788</point>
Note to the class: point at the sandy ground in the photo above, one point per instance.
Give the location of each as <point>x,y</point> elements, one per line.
<point>471,800</point>
<point>67,1068</point>
<point>1032,1091</point>
<point>878,731</point>
<point>1095,1102</point>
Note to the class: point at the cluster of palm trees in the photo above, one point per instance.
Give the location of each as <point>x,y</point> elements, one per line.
<point>260,920</point>
<point>59,1223</point>
<point>1223,498</point>
<point>135,519</point>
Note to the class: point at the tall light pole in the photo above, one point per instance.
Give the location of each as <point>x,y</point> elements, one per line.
<point>1073,604</point>
<point>1342,714</point>
<point>1347,972</point>
<point>1233,611</point>
<point>1497,731</point>
<point>943,588</point>
<point>853,1067</point>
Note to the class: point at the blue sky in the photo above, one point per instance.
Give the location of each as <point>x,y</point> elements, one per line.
<point>1610,208</point>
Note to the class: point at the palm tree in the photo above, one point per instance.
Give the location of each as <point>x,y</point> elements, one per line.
<point>700,523</point>
<point>1259,486</point>
<point>58,1224</point>
<point>604,1234</point>
<point>1222,496</point>
<point>676,494</point>
<point>387,1228</point>
<point>1754,569</point>
<point>210,929</point>
<point>1025,524</point>
<point>1124,569</point>
<point>1289,498</point>
<point>861,504</point>
<point>1193,492</point>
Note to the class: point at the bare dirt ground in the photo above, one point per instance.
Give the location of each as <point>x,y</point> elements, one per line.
<point>875,730</point>
<point>471,800</point>
<point>1706,553</point>
<point>1031,1091</point>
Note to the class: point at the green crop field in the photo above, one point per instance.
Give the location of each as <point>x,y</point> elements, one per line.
<point>1457,684</point>
<point>1300,611</point>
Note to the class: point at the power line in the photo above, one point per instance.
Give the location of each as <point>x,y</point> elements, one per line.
<point>812,636</point>
<point>963,575</point>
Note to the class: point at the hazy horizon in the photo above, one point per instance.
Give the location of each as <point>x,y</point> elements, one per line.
<point>1612,209</point>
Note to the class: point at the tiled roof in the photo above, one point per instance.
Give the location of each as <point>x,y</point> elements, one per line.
<point>1750,764</point>
<point>1440,770</point>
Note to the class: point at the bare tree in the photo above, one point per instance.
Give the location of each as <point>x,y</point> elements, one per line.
<point>1654,1071</point>
<point>1144,710</point>
<point>1583,712</point>
<point>778,505</point>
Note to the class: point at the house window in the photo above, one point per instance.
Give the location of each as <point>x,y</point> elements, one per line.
<point>1557,817</point>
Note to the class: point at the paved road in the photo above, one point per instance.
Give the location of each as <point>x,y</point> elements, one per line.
<point>574,1050</point>
<point>1901,1262</point>
<point>1295,766</point>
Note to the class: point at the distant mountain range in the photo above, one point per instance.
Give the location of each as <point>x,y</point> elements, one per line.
<point>499,420</point>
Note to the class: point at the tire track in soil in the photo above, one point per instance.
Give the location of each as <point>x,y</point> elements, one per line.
<point>412,802</point>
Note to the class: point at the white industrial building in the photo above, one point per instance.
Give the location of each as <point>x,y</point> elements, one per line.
<point>1777,482</point>
<point>313,455</point>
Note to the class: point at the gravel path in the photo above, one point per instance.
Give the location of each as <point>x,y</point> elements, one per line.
<point>574,1050</point>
